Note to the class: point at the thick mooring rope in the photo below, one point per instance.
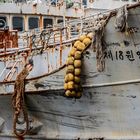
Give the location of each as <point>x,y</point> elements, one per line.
<point>18,101</point>
<point>121,19</point>
<point>100,50</point>
<point>100,43</point>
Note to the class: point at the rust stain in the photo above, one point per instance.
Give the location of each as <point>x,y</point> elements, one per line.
<point>30,44</point>
<point>25,23</point>
<point>67,34</point>
<point>41,22</point>
<point>8,39</point>
<point>25,56</point>
<point>53,48</point>
<point>48,60</point>
<point>35,8</point>
<point>61,47</point>
<point>54,37</point>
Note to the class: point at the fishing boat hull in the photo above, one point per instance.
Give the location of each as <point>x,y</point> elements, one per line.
<point>109,106</point>
<point>105,112</point>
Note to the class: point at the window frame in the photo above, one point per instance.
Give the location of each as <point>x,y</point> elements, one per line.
<point>6,20</point>
<point>60,19</point>
<point>23,20</point>
<point>49,19</point>
<point>29,21</point>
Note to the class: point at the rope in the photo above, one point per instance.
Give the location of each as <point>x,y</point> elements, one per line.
<point>18,101</point>
<point>121,19</point>
<point>100,50</point>
<point>101,46</point>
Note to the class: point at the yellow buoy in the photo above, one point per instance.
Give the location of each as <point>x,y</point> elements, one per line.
<point>65,86</point>
<point>68,93</point>
<point>82,37</point>
<point>81,46</point>
<point>70,69</point>
<point>72,51</point>
<point>73,93</point>
<point>66,78</point>
<point>70,61</point>
<point>70,77</point>
<point>77,63</point>
<point>70,85</point>
<point>76,87</point>
<point>86,41</point>
<point>77,71</point>
<point>77,79</point>
<point>76,43</point>
<point>77,55</point>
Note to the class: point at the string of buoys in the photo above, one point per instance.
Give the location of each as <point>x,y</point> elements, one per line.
<point>72,83</point>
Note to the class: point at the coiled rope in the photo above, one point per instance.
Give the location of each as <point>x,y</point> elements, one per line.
<point>18,101</point>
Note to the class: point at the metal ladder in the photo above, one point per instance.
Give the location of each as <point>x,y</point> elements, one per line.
<point>12,66</point>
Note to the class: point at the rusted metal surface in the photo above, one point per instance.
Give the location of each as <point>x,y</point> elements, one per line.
<point>8,39</point>
<point>39,44</point>
<point>61,48</point>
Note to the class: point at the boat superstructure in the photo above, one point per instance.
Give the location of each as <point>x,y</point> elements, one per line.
<point>34,25</point>
<point>27,15</point>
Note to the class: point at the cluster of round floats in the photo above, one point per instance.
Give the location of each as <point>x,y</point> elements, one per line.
<point>72,84</point>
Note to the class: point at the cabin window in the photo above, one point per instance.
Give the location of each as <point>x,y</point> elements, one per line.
<point>2,22</point>
<point>54,2</point>
<point>18,23</point>
<point>33,22</point>
<point>47,22</point>
<point>59,20</point>
<point>84,2</point>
